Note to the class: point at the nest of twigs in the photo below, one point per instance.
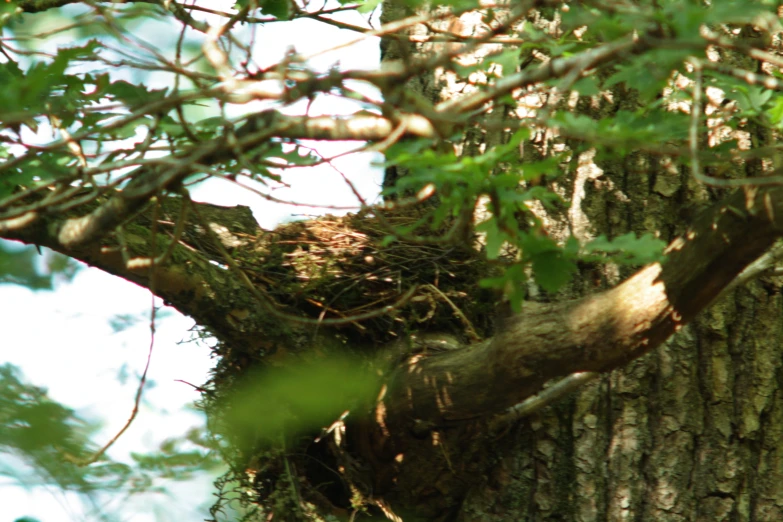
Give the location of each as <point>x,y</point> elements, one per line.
<point>348,268</point>
<point>377,261</point>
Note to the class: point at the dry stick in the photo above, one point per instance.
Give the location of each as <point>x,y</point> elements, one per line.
<point>98,454</point>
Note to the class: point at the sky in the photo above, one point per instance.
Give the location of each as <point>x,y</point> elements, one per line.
<point>87,340</point>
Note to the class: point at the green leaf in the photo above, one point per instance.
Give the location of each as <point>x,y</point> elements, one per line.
<point>629,249</point>
<point>365,6</point>
<point>775,112</point>
<point>297,398</point>
<point>133,95</point>
<point>508,60</point>
<point>553,269</point>
<point>277,8</point>
<point>751,99</point>
<point>495,239</point>
<point>587,86</point>
<point>650,72</point>
<point>39,170</point>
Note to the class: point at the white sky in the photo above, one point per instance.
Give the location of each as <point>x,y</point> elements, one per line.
<point>63,340</point>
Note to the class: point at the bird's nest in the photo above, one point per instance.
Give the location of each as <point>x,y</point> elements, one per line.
<point>377,272</point>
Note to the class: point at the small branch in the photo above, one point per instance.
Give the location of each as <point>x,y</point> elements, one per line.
<point>553,69</point>
<point>763,265</point>
<point>546,397</point>
<point>693,128</point>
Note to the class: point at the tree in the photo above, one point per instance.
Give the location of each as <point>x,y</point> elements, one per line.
<point>536,154</point>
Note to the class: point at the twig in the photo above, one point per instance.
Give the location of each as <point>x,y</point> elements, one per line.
<point>465,321</point>
<point>757,268</point>
<point>142,382</point>
<point>693,129</point>
<point>546,397</point>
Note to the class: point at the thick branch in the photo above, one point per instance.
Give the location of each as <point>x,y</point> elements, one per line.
<point>187,280</point>
<point>597,333</point>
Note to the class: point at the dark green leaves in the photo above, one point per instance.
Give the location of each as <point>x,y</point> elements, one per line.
<point>626,131</point>
<point>279,9</point>
<point>132,94</point>
<point>649,73</point>
<point>628,249</point>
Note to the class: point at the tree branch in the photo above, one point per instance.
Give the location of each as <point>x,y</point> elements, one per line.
<point>594,334</point>
<point>188,281</point>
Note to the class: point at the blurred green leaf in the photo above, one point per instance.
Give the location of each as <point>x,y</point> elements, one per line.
<point>775,112</point>
<point>23,265</point>
<point>175,461</point>
<point>45,433</point>
<point>131,94</point>
<point>508,60</point>
<point>297,398</point>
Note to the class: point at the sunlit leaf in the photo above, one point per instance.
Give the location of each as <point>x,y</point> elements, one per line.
<point>628,248</point>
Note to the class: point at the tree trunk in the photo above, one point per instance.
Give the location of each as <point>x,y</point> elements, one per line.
<point>689,431</point>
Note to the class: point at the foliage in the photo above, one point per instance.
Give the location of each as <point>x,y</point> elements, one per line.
<point>25,266</point>
<point>42,431</point>
<point>263,405</point>
<point>55,442</point>
<point>107,125</point>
